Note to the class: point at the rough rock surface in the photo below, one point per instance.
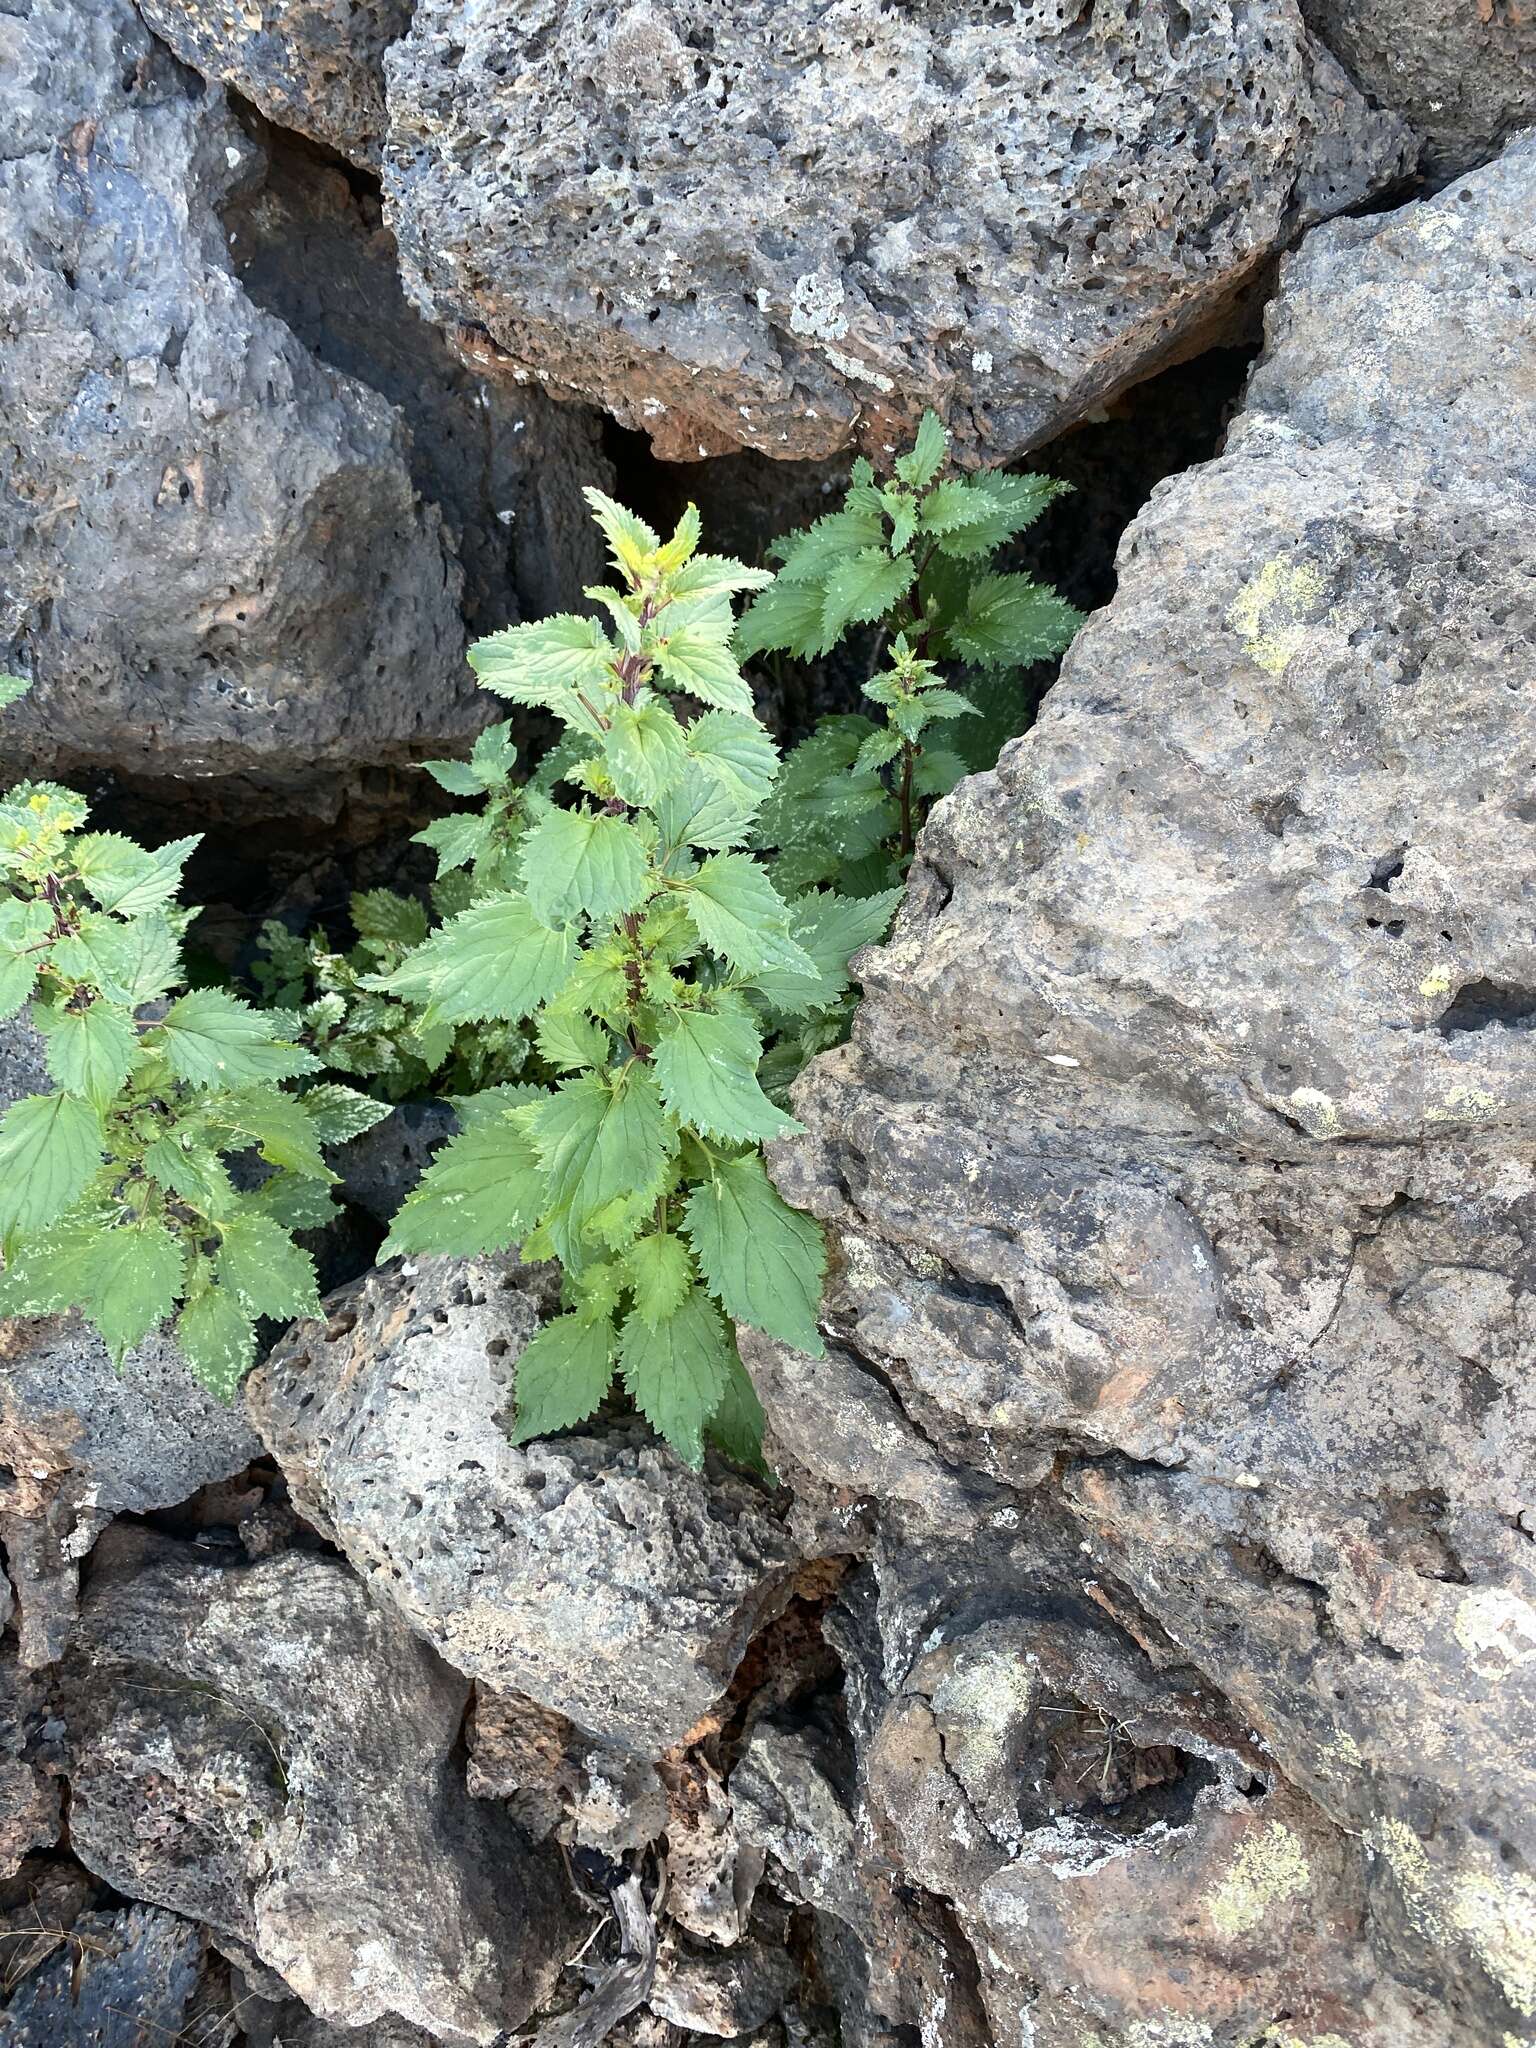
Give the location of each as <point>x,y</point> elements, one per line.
<point>215,559</point>
<point>1464,76</point>
<point>592,1573</point>
<point>787,226</point>
<point>1180,1165</point>
<point>267,1751</point>
<point>504,463</point>
<point>316,66</point>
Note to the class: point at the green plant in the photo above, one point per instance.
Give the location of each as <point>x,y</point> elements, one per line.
<point>648,954</point>
<point>116,1195</point>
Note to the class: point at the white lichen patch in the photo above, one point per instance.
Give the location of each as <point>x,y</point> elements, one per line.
<point>852,367</point>
<point>1268,1869</point>
<point>1269,612</point>
<point>1496,1912</point>
<point>816,307</point>
<point>1318,1112</point>
<point>1497,1629</point>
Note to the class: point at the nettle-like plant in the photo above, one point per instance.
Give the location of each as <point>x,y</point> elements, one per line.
<point>116,1195</point>
<point>648,954</point>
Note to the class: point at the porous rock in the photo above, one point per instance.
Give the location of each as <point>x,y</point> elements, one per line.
<point>790,226</point>
<point>216,561</point>
<point>1464,76</point>
<point>317,66</point>
<point>265,1750</point>
<point>119,1979</point>
<point>1180,1161</point>
<point>591,1572</point>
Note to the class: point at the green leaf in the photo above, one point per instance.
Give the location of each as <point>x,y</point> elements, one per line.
<point>785,618</point>
<point>811,557</point>
<point>90,1050</point>
<point>483,1191</point>
<point>213,1040</point>
<point>737,911</point>
<point>831,929</point>
<point>50,1145</point>
<point>192,1171</point>
<point>737,751</point>
<point>494,960</point>
<point>130,1283</point>
<point>383,915</point>
<point>457,840</point>
<point>24,929</point>
<point>493,755</point>
<point>1009,622</point>
<point>130,963</point>
<point>568,1040</point>
<point>676,1371</point>
<point>973,518</point>
<point>562,1375</point>
<point>263,1117</point>
<point>218,1340</point>
<point>717,576</point>
<point>546,662</point>
<point>339,1113</point>
<point>644,751</point>
<point>629,539</point>
<point>706,1067</point>
<point>269,1273</point>
<point>581,863</point>
<point>12,689</point>
<point>701,812</point>
<point>922,464</point>
<point>659,1270</point>
<point>598,1143</point>
<point>698,658</point>
<point>877,750</point>
<point>294,1200</point>
<point>859,591</point>
<point>126,878</point>
<point>761,1259</point>
<point>737,1424</point>
<point>457,777</point>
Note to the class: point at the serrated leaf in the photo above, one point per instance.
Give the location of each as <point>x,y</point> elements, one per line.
<point>494,960</point>
<point>701,812</point>
<point>129,879</point>
<point>457,840</point>
<point>294,1200</point>
<point>546,662</point>
<point>490,1105</point>
<point>339,1113</point>
<point>269,1273</point>
<point>877,750</point>
<point>50,1146</point>
<point>131,963</point>
<point>599,1143</point>
<point>659,1271</point>
<point>562,1375</point>
<point>862,590</point>
<point>925,458</point>
<point>218,1341</point>
<point>676,1370</point>
<point>718,576</point>
<point>830,929</point>
<point>762,1260</point>
<point>786,618</point>
<point>810,557</point>
<point>1009,622</point>
<point>582,863</point>
<point>737,911</point>
<point>706,1068</point>
<point>644,751</point>
<point>568,1040</point>
<point>213,1040</point>
<point>90,1049</point>
<point>130,1283</point>
<point>736,1426</point>
<point>263,1117</point>
<point>457,777</point>
<point>493,756</point>
<point>24,929</point>
<point>382,914</point>
<point>192,1171</point>
<point>736,751</point>
<point>698,658</point>
<point>483,1191</point>
<point>629,539</point>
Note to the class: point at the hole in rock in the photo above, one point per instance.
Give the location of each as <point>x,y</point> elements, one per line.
<point>1481,1005</point>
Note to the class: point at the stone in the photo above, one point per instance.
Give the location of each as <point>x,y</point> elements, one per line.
<point>29,1794</point>
<point>123,1978</point>
<point>215,557</point>
<point>504,463</point>
<point>722,1995</point>
<point>82,1441</point>
<point>1177,1173</point>
<point>592,1572</point>
<point>791,228</point>
<point>1464,76</point>
<point>23,1062</point>
<point>265,1750</point>
<point>317,67</point>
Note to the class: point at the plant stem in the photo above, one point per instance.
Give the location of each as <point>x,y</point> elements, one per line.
<point>908,837</point>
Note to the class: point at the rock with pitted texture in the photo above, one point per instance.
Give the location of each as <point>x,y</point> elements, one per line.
<point>1465,76</point>
<point>789,227</point>
<point>1180,1166</point>
<point>216,562</point>
<point>265,1750</point>
<point>592,1572</point>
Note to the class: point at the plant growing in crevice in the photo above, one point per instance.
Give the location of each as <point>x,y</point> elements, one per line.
<point>116,1195</point>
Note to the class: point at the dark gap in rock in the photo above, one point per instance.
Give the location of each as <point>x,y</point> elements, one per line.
<point>1480,1005</point>
<point>1387,869</point>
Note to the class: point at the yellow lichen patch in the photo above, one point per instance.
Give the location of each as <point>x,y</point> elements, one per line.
<point>1436,983</point>
<point>1268,612</point>
<point>1497,1914</point>
<point>1268,1869</point>
<point>1282,2038</point>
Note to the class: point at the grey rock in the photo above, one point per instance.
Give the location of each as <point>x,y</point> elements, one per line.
<point>288,2023</point>
<point>504,463</point>
<point>1464,76</point>
<point>379,1169</point>
<point>121,1979</point>
<point>216,562</point>
<point>1178,1171</point>
<point>267,1751</point>
<point>592,1572</point>
<point>788,228</point>
<point>316,66</point>
<point>722,1996</point>
<point>29,1795</point>
<point>82,1441</point>
<point>23,1062</point>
